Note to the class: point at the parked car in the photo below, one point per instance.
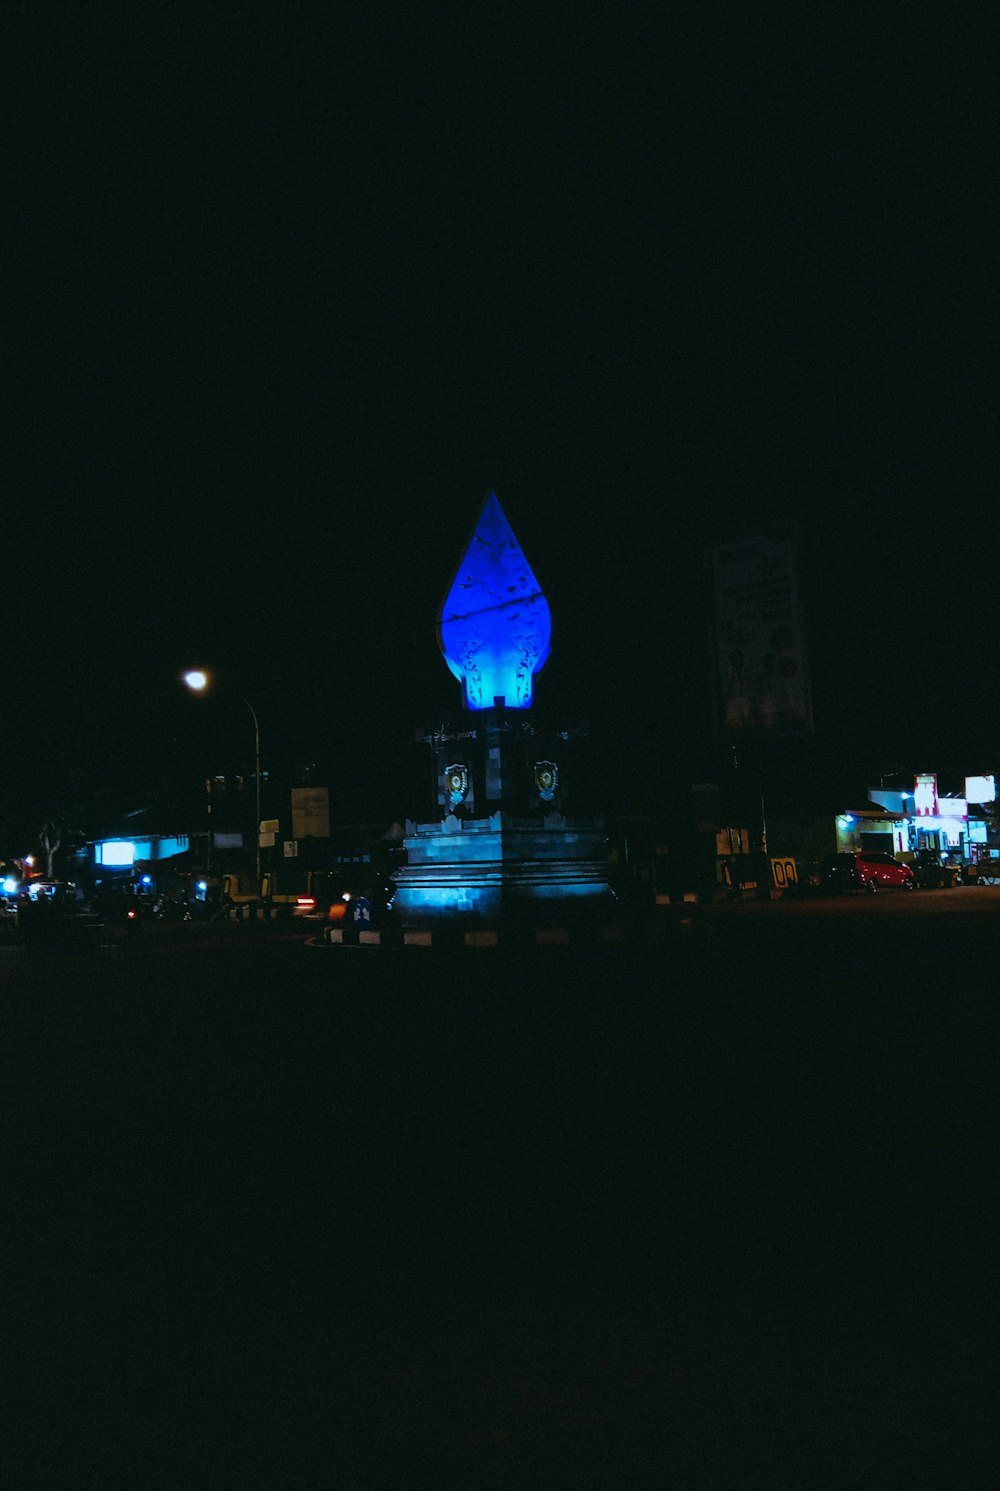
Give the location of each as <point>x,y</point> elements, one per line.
<point>121,901</point>
<point>865,870</point>
<point>51,916</point>
<point>933,872</point>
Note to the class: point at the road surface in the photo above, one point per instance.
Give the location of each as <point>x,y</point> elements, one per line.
<point>717,1210</point>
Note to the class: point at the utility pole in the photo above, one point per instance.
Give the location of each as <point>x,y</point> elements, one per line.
<point>256,778</point>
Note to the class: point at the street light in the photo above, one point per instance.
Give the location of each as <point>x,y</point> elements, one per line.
<point>198,682</point>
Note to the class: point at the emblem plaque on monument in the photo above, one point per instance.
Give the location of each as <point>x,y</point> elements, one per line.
<point>504,861</point>
<point>456,782</point>
<point>546,779</point>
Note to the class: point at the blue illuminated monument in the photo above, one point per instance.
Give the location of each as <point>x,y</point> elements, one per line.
<point>494,628</point>
<point>502,851</point>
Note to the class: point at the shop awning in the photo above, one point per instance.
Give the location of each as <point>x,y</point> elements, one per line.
<point>880,815</point>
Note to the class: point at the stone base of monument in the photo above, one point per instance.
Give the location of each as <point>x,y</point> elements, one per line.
<point>505,872</point>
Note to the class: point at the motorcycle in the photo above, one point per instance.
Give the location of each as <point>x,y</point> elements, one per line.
<point>165,908</point>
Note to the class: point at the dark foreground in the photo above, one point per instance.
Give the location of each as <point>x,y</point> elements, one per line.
<point>719,1213</point>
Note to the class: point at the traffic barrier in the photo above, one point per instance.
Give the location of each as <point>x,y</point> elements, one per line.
<point>450,939</point>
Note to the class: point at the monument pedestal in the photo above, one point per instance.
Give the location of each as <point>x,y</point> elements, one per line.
<point>484,872</point>
<point>503,852</point>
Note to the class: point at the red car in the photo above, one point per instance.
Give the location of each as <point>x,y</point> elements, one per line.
<point>866,870</point>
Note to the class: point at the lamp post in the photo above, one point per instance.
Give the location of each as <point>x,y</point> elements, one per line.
<point>198,682</point>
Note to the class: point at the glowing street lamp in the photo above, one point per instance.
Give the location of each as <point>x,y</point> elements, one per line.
<point>198,681</point>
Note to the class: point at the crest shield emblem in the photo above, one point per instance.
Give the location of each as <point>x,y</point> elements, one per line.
<point>546,779</point>
<point>456,783</point>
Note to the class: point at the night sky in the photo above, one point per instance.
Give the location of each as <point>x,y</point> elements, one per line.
<point>285,292</point>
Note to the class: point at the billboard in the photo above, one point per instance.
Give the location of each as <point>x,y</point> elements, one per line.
<point>925,795</point>
<point>761,664</point>
<point>310,812</point>
<point>117,853</point>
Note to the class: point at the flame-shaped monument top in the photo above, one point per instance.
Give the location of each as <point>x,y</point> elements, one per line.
<point>494,628</point>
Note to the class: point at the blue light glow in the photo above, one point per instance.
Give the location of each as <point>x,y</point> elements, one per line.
<point>147,880</point>
<point>495,626</point>
<point>10,886</point>
<point>118,852</point>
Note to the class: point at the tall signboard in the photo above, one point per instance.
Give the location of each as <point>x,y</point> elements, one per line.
<point>762,668</point>
<point>925,795</point>
<point>310,812</point>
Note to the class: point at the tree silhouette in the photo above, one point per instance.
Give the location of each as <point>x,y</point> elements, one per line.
<point>50,838</point>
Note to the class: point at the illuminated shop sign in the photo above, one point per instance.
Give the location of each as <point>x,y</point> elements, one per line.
<point>118,854</point>
<point>925,798</point>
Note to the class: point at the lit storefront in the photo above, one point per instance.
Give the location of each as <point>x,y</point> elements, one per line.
<point>873,829</point>
<point>938,822</point>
